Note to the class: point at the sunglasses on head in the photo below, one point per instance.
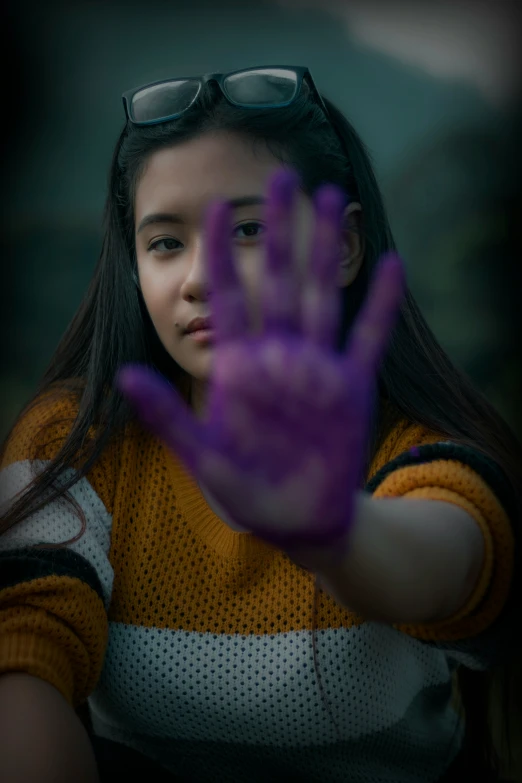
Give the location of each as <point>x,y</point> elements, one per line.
<point>265,87</point>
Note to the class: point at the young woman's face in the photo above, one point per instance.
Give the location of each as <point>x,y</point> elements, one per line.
<point>171,200</point>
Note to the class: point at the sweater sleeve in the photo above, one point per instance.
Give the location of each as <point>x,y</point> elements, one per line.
<point>449,472</point>
<point>54,599</point>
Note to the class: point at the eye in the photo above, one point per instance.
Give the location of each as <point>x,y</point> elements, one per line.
<point>169,245</point>
<point>251,230</point>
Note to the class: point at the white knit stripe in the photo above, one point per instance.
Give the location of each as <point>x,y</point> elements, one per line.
<point>263,690</point>
<point>58,521</point>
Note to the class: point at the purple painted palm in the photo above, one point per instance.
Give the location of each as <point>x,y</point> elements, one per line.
<point>283,443</point>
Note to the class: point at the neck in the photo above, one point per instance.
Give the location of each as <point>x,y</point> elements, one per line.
<point>198,396</point>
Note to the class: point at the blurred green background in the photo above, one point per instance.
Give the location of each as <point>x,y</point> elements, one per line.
<point>445,151</point>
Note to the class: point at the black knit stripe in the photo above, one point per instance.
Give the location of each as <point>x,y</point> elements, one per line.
<point>24,565</point>
<point>446,450</point>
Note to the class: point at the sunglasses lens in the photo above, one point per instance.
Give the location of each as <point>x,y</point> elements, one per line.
<point>163,100</point>
<point>262,87</point>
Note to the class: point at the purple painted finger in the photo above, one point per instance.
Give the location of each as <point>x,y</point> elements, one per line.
<point>163,412</point>
<point>280,289</point>
<point>229,310</point>
<point>321,299</point>
<point>374,323</point>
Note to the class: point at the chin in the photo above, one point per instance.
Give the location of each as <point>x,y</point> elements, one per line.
<point>199,370</point>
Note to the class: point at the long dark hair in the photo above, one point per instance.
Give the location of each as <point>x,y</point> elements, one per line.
<point>112,327</point>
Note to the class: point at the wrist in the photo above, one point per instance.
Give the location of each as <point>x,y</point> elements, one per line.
<point>331,555</point>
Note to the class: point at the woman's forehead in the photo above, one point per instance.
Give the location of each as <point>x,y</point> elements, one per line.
<point>187,176</point>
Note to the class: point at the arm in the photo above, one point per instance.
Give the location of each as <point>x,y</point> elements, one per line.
<point>42,740</point>
<point>405,560</point>
<point>53,616</point>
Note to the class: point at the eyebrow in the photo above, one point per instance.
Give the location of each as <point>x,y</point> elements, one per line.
<point>172,217</point>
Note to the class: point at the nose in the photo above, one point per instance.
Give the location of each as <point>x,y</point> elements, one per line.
<point>196,284</point>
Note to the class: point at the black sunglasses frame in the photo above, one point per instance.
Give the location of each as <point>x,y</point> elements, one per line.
<point>302,73</point>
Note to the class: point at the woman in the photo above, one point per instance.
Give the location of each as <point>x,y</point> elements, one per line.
<point>189,635</point>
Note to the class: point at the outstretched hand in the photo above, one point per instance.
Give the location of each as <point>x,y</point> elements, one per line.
<point>283,444</point>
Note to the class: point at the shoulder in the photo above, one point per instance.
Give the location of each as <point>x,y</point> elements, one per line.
<point>412,451</point>
<point>402,437</point>
<point>43,426</point>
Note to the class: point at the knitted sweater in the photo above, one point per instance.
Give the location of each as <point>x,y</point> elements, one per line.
<point>193,642</point>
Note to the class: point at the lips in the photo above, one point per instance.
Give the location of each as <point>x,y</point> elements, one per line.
<point>200,331</point>
<point>198,325</point>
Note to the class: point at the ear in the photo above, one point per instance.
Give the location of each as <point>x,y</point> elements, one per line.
<point>353,245</point>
